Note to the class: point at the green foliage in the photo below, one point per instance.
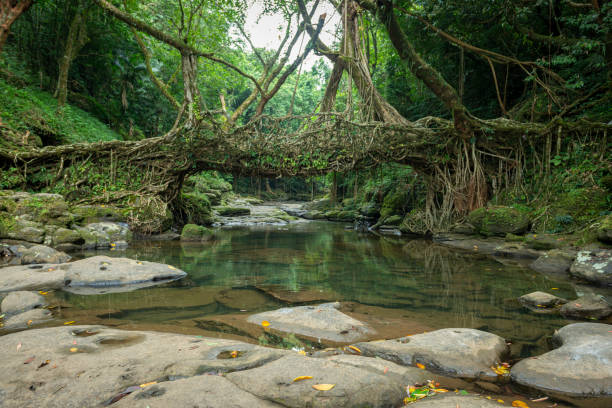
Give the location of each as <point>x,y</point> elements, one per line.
<point>36,111</point>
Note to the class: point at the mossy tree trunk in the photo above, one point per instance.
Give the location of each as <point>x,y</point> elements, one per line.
<point>76,40</point>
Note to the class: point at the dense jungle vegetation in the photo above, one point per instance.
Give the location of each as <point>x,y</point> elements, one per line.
<point>504,102</point>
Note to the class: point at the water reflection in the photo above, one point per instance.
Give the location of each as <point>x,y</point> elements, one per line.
<point>265,268</point>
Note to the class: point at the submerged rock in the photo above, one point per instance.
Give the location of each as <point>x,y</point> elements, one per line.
<point>594,266</point>
<point>589,306</point>
<point>579,371</point>
<point>464,353</point>
<point>99,274</point>
<point>27,319</point>
<point>324,322</point>
<point>541,302</point>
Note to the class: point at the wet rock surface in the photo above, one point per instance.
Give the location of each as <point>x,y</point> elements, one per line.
<point>541,302</point>
<point>322,321</point>
<point>554,262</point>
<point>27,319</point>
<point>21,301</point>
<point>357,382</point>
<point>579,371</point>
<point>589,306</point>
<point>33,254</point>
<point>464,353</point>
<point>454,401</point>
<point>99,274</point>
<point>594,266</point>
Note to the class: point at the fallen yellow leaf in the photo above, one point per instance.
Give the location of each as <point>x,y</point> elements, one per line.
<point>171,267</point>
<point>355,349</point>
<point>439,390</point>
<point>67,323</point>
<point>554,288</point>
<point>234,354</point>
<point>42,292</point>
<point>74,350</point>
<point>302,352</point>
<point>29,322</point>
<point>265,323</point>
<point>302,377</point>
<point>500,401</point>
<point>147,384</point>
<point>421,366</point>
<point>323,387</point>
<point>519,404</point>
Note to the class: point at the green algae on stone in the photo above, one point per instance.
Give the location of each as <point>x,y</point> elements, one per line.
<point>499,220</point>
<point>192,232</point>
<point>232,211</point>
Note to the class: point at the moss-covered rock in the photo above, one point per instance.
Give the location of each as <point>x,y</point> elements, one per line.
<point>232,211</point>
<point>341,216</point>
<point>86,214</point>
<point>196,209</point>
<point>543,242</point>
<point>7,223</point>
<point>192,232</point>
<point>393,220</point>
<point>24,230</point>
<point>499,221</point>
<point>370,210</point>
<point>66,236</point>
<point>314,215</point>
<point>393,204</point>
<point>253,200</point>
<point>604,231</point>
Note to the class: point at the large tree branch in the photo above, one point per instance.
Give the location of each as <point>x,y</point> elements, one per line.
<point>180,45</point>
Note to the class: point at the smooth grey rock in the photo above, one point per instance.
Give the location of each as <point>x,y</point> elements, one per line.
<point>471,244</point>
<point>210,391</point>
<point>357,383</point>
<point>464,353</point>
<point>98,274</point>
<point>322,321</point>
<point>580,371</point>
<point>106,233</point>
<point>21,301</point>
<point>28,231</point>
<point>594,266</point>
<point>516,250</point>
<point>541,302</point>
<point>453,401</point>
<point>27,319</point>
<point>105,362</point>
<point>589,306</point>
<point>554,262</point>
<point>43,254</point>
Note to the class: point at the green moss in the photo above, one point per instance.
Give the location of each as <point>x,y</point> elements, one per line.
<point>30,109</point>
<point>393,204</point>
<point>232,211</point>
<point>393,220</point>
<point>86,214</point>
<point>604,231</point>
<point>192,232</point>
<point>7,223</point>
<point>196,209</point>
<point>576,209</point>
<point>499,221</point>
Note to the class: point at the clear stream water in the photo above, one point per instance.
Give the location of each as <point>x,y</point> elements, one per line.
<point>400,286</point>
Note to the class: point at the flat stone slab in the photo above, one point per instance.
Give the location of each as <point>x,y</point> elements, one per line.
<point>27,319</point>
<point>90,365</point>
<point>210,391</point>
<point>21,301</point>
<point>98,274</point>
<point>594,266</point>
<point>454,401</point>
<point>541,302</point>
<point>324,322</point>
<point>463,353</point>
<point>554,262</point>
<point>580,371</point>
<point>589,306</point>
<point>358,382</point>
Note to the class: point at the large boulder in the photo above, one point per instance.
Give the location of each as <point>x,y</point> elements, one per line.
<point>95,365</point>
<point>579,371</point>
<point>103,234</point>
<point>589,306</point>
<point>232,211</point>
<point>27,319</point>
<point>464,353</point>
<point>23,230</point>
<point>42,254</point>
<point>98,274</point>
<point>192,232</point>
<point>323,322</point>
<point>594,266</point>
<point>499,221</point>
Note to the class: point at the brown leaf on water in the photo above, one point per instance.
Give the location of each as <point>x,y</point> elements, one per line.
<point>323,387</point>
